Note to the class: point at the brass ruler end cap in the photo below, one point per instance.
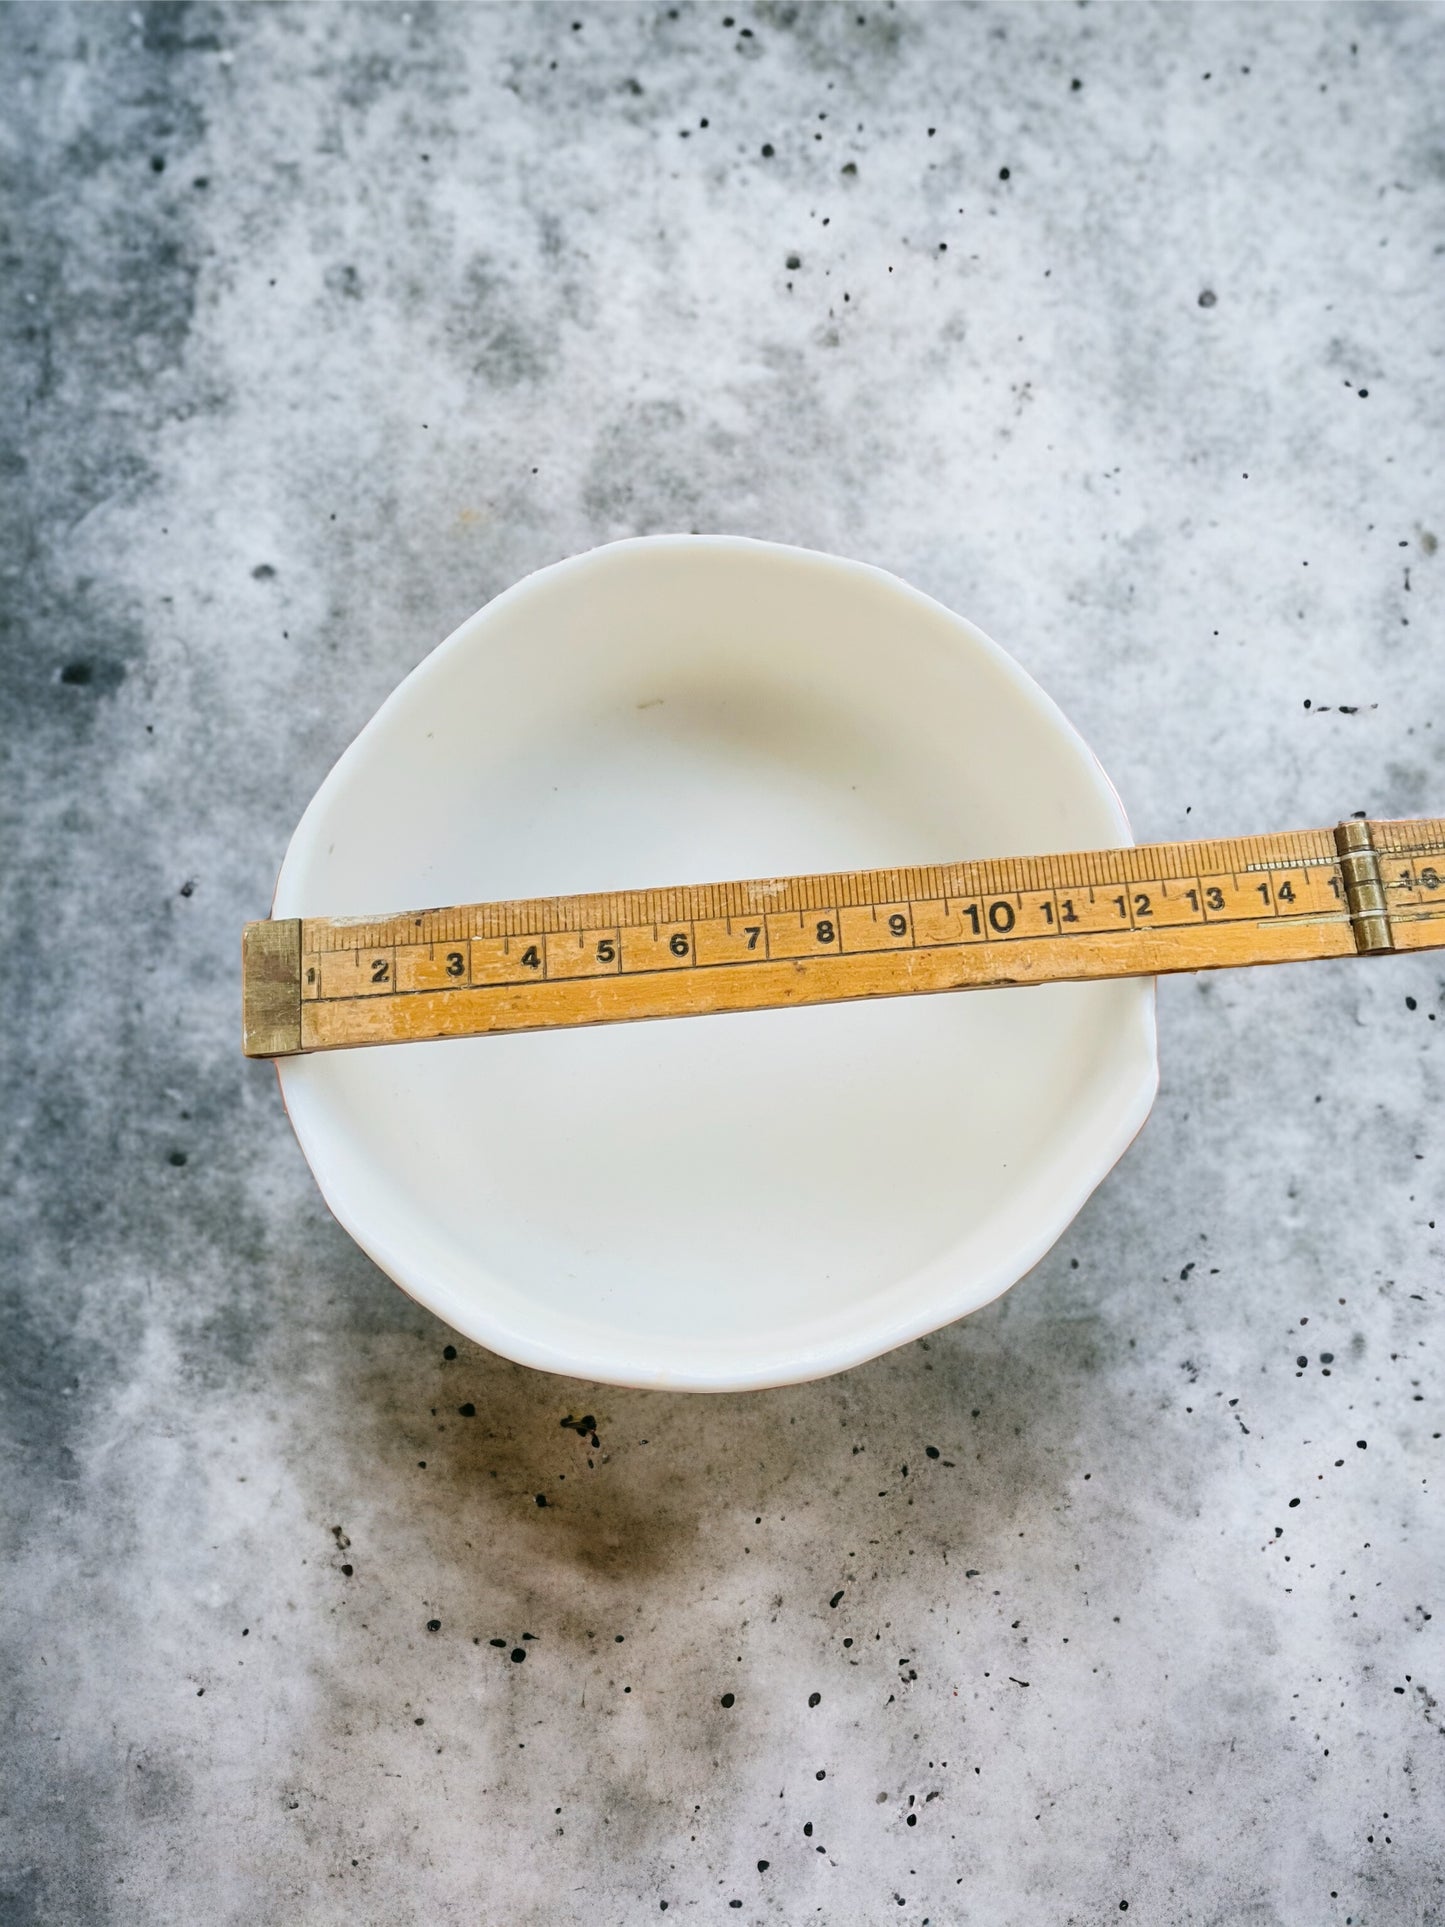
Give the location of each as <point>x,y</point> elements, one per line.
<point>271,988</point>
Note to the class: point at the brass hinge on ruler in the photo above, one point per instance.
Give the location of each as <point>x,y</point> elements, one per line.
<point>1364,887</point>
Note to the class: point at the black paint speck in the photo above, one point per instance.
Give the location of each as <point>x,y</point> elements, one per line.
<point>763,1866</point>
<point>728,1699</point>
<point>1294,1502</point>
<point>158,163</point>
<point>807,1829</point>
<point>347,1571</point>
<point>1003,173</point>
<point>519,1653</point>
<point>836,1597</point>
<point>815,1699</point>
<point>467,1411</point>
<point>821,1774</point>
<point>77,673</point>
<point>449,1351</point>
<point>1410,1004</point>
<point>263,572</point>
<point>433,1625</point>
<point>1207,297</point>
<point>794,261</point>
<point>188,888</point>
<point>767,150</point>
<point>541,1498</point>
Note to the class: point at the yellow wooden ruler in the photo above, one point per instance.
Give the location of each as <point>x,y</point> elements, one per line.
<point>326,983</point>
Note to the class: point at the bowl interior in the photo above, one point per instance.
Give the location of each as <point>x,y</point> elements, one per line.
<point>733,1200</point>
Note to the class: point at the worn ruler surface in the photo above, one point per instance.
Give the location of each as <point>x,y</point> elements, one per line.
<point>326,983</point>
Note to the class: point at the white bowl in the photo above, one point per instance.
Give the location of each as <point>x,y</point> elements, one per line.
<point>721,1202</point>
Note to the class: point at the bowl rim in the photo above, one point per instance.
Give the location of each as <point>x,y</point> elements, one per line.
<point>1073,1178</point>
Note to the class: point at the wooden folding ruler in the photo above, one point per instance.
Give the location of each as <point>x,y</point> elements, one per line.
<point>328,983</point>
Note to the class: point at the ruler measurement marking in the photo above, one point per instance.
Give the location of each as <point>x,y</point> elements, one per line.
<point>993,930</point>
<point>386,940</point>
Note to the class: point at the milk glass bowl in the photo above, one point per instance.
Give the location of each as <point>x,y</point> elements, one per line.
<point>725,1202</point>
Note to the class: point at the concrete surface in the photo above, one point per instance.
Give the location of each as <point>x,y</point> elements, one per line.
<point>322,325</point>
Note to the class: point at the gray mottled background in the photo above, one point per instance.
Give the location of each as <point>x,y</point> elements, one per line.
<point>1121,329</point>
